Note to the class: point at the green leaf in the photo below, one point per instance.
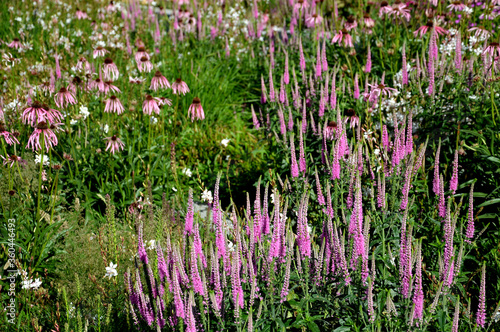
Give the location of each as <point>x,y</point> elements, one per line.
<point>491,201</point>
<point>313,326</point>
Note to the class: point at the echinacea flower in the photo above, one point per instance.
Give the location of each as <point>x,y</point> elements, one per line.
<point>76,83</point>
<point>13,159</point>
<point>159,82</point>
<point>141,52</point>
<point>427,28</point>
<point>196,110</point>
<point>99,51</point>
<point>350,23</point>
<point>400,10</point>
<point>113,105</point>
<point>16,43</point>
<point>456,6</point>
<point>343,35</point>
<point>81,15</point>
<point>64,98</point>
<point>313,20</point>
<point>351,117</point>
<point>180,87</point>
<point>99,85</point>
<point>110,70</point>
<point>378,89</point>
<point>150,105</point>
<point>369,22</point>
<point>384,9</point>
<point>84,65</point>
<point>9,138</point>
<point>114,143</point>
<point>491,49</point>
<point>109,87</point>
<point>330,130</point>
<point>135,80</point>
<point>480,32</point>
<point>144,65</point>
<point>39,112</point>
<point>300,6</point>
<point>49,137</point>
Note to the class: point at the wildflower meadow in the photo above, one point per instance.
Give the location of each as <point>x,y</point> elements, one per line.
<point>249,165</point>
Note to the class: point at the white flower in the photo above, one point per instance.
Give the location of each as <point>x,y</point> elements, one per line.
<point>84,111</point>
<point>207,196</point>
<point>111,270</point>
<point>187,172</point>
<point>309,229</point>
<point>38,159</point>
<point>230,245</point>
<point>225,142</point>
<point>174,189</point>
<point>152,244</point>
<point>73,122</point>
<point>376,151</point>
<point>154,120</point>
<point>106,129</point>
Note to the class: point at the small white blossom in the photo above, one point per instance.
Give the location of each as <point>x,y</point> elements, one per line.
<point>84,111</point>
<point>38,159</point>
<point>207,196</point>
<point>111,270</point>
<point>225,142</point>
<point>106,129</point>
<point>187,172</point>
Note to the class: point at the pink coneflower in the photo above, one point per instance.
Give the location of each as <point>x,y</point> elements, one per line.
<point>369,22</point>
<point>330,130</point>
<point>114,143</point>
<point>456,6</point>
<point>480,32</point>
<point>113,105</point>
<point>98,84</point>
<point>50,139</point>
<point>344,36</point>
<point>99,51</point>
<point>491,49</point>
<point>39,112</point>
<point>15,43</point>
<point>9,138</point>
<point>180,87</point>
<point>136,80</point>
<point>64,98</point>
<point>141,52</point>
<point>196,110</point>
<point>300,6</point>
<point>165,101</point>
<point>109,87</point>
<point>384,9</point>
<point>12,159</point>
<point>81,15</point>
<point>144,65</point>
<point>400,10</point>
<point>159,82</point>
<point>427,28</point>
<point>313,20</point>
<point>378,89</point>
<point>84,65</point>
<point>351,117</point>
<point>110,70</point>
<point>350,23</point>
<point>150,105</point>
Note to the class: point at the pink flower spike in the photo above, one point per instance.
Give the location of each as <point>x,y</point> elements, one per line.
<point>114,143</point>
